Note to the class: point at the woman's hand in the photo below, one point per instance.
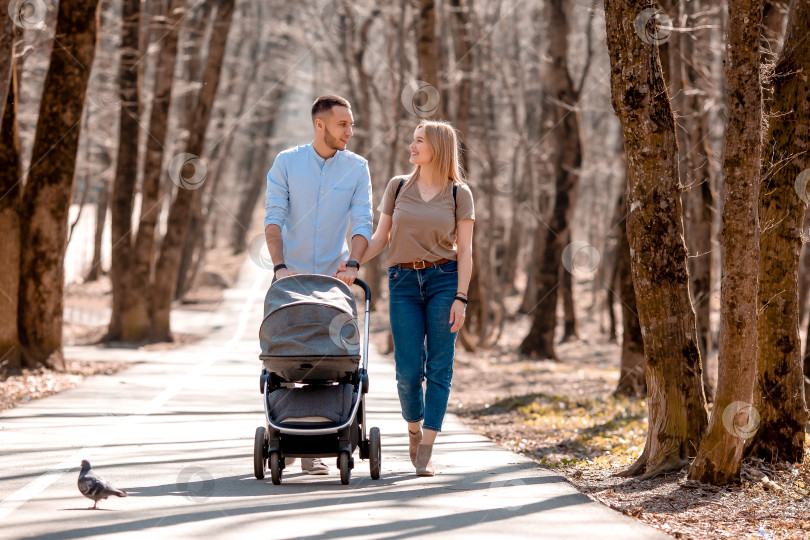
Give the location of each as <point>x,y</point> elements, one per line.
<point>457,315</point>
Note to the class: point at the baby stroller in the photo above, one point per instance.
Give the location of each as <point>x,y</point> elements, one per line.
<point>309,336</point>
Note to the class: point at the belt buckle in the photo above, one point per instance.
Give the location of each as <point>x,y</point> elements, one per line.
<point>417,263</point>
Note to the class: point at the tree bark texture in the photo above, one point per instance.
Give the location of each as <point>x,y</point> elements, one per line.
<point>125,324</point>
<point>677,413</point>
<point>10,248</point>
<point>632,379</point>
<point>564,146</point>
<point>49,188</point>
<point>779,392</point>
<point>179,219</point>
<point>720,456</point>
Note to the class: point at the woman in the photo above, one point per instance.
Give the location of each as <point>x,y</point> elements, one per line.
<point>428,217</point>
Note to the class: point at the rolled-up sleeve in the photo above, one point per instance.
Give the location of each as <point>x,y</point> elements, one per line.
<point>277,195</point>
<point>361,214</point>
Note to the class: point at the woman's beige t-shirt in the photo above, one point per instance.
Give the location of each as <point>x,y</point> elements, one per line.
<point>424,230</point>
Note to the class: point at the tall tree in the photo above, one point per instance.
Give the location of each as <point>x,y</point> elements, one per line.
<point>10,199</point>
<point>564,145</point>
<point>49,187</point>
<point>143,251</point>
<point>677,413</point>
<point>168,264</point>
<point>779,393</point>
<point>720,455</point>
<point>124,325</point>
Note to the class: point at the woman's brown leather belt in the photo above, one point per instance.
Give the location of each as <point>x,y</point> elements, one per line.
<point>419,265</point>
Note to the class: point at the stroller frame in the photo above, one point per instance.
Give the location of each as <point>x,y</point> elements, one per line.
<point>279,440</point>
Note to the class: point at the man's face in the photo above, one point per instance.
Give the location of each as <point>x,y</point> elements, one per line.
<point>337,127</point>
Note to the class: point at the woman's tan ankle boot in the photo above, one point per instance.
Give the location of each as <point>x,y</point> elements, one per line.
<point>414,438</point>
<point>424,465</point>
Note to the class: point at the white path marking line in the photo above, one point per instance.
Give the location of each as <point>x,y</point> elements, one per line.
<point>41,483</point>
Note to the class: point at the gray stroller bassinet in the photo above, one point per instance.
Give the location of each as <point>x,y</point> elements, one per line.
<point>309,333</point>
<point>314,378</point>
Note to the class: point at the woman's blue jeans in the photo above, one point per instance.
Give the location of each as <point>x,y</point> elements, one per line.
<point>424,347</point>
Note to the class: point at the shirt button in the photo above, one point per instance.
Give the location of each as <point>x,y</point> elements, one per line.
<point>321,191</point>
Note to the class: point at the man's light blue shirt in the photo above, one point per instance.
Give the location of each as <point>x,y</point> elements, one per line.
<point>313,200</point>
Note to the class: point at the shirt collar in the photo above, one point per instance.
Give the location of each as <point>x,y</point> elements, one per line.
<point>317,156</point>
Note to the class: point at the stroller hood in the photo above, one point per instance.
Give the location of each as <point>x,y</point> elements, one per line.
<point>309,315</point>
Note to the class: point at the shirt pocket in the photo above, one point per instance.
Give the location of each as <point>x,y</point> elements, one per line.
<point>341,194</point>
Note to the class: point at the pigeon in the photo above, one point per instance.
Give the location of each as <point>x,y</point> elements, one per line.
<point>94,487</point>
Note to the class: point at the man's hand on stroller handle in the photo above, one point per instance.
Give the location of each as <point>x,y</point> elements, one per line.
<point>346,274</point>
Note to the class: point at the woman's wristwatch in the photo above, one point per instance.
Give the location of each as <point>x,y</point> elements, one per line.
<point>354,264</point>
<point>278,267</point>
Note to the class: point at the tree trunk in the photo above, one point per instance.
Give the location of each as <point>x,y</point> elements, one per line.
<point>427,48</point>
<point>167,26</point>
<point>632,381</point>
<point>49,188</point>
<point>567,295</point>
<point>168,264</point>
<point>677,414</point>
<point>779,392</point>
<point>126,323</point>
<point>565,151</point>
<point>10,199</point>
<point>9,33</point>
<point>102,204</point>
<point>720,456</point>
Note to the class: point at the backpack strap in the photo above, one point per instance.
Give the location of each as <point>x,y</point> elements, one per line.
<point>402,181</point>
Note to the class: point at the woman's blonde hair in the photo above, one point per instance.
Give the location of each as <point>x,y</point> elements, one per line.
<point>443,140</point>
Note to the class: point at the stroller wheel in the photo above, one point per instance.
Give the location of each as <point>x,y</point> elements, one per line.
<point>275,468</point>
<point>343,465</point>
<point>259,452</point>
<point>374,452</point>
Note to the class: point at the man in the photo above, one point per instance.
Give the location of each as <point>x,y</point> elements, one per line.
<point>313,192</point>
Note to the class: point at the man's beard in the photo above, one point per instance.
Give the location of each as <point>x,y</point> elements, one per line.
<point>332,142</point>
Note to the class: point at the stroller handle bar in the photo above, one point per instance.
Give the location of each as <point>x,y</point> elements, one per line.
<point>362,284</point>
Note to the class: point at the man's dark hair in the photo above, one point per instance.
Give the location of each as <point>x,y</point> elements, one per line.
<point>325,103</point>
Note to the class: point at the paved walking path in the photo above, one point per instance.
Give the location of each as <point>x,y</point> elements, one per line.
<point>176,431</point>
